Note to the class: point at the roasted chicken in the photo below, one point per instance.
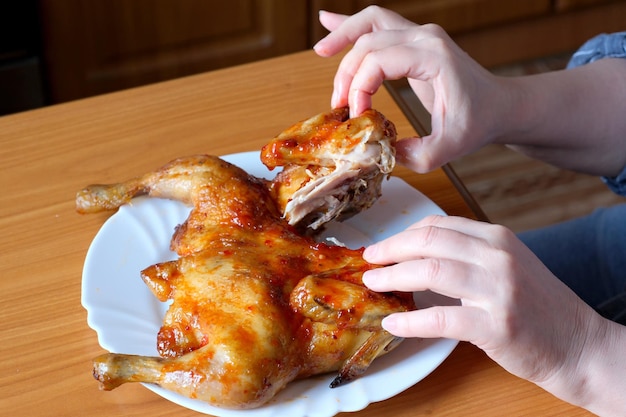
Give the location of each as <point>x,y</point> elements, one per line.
<point>333,166</point>
<point>256,302</point>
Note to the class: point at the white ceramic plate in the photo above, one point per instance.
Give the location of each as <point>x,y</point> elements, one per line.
<point>127,317</point>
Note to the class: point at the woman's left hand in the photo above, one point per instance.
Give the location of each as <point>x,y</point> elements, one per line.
<point>511,305</point>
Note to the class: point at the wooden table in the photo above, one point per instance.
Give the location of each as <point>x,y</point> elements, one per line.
<point>46,346</point>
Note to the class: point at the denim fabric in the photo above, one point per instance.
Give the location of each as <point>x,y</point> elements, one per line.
<point>617,184</point>
<point>589,253</point>
<point>602,46</point>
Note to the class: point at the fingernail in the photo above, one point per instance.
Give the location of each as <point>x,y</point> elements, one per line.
<point>374,280</point>
<point>370,252</point>
<point>334,99</point>
<point>351,104</point>
<point>390,323</point>
<point>368,278</point>
<point>355,111</point>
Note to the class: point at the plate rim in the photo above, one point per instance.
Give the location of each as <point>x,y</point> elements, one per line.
<point>446,346</point>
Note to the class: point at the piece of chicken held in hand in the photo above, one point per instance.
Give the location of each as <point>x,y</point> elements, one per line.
<point>333,166</point>
<point>255,303</point>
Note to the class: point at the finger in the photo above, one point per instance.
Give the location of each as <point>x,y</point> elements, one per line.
<point>442,145</point>
<point>331,21</point>
<point>436,237</point>
<point>418,58</point>
<point>424,91</point>
<point>452,322</point>
<point>330,45</point>
<point>446,277</point>
<point>353,60</point>
<point>351,63</point>
<point>416,154</point>
<point>347,29</point>
<point>406,60</point>
<point>461,224</point>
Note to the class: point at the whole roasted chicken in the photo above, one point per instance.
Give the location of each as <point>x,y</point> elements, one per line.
<point>256,301</point>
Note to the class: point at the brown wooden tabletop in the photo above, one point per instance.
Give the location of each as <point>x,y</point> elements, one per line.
<point>47,155</point>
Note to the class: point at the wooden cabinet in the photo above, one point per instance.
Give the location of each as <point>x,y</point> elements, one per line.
<point>454,15</point>
<point>560,31</point>
<point>565,5</point>
<point>97,46</point>
<point>499,32</point>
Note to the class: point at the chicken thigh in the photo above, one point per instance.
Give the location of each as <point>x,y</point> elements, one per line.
<point>256,303</point>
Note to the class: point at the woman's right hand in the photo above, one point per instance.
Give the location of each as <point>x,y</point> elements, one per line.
<point>462,97</point>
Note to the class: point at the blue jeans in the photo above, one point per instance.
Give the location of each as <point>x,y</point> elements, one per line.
<point>589,255</point>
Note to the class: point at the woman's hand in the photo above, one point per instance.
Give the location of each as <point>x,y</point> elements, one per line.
<point>460,95</point>
<point>512,307</point>
<point>571,119</point>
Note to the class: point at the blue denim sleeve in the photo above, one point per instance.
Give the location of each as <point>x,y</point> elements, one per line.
<point>611,45</point>
<point>604,46</point>
<point>617,184</point>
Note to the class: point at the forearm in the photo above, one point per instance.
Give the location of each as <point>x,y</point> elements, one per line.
<point>607,368</point>
<point>572,118</point>
<point>597,383</point>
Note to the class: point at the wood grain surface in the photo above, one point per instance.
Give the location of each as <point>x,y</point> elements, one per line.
<point>47,155</point>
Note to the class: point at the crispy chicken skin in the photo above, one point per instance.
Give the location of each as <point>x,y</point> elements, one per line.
<point>333,166</point>
<point>255,303</point>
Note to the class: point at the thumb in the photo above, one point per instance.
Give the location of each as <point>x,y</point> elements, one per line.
<point>416,153</point>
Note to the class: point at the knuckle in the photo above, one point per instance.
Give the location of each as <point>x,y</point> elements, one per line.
<point>429,162</point>
<point>501,233</point>
<point>364,41</point>
<point>432,219</point>
<point>374,9</point>
<point>430,234</point>
<point>502,249</point>
<point>370,62</point>
<point>434,30</point>
<point>432,270</point>
<point>438,320</point>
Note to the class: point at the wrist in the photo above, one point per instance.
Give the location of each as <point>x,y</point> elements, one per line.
<point>592,376</point>
<point>604,369</point>
<point>518,110</point>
